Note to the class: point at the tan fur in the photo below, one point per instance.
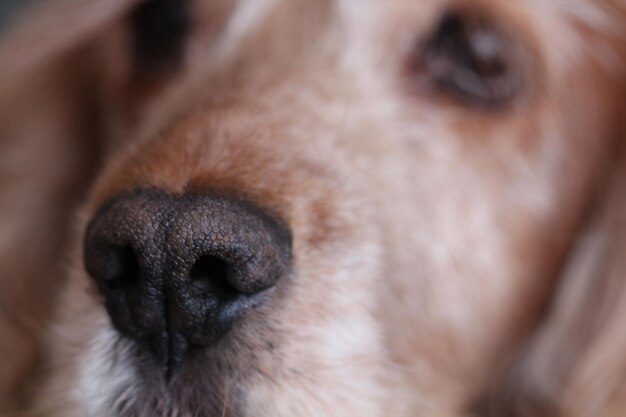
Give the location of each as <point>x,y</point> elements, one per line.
<point>450,260</point>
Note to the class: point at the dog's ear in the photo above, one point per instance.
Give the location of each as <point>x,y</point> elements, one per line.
<point>33,34</point>
<point>131,49</point>
<point>67,69</point>
<point>575,362</point>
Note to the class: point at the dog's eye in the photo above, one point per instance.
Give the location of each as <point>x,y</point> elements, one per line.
<point>470,58</point>
<point>159,32</point>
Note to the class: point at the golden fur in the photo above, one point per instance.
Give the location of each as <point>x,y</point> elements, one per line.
<point>450,259</point>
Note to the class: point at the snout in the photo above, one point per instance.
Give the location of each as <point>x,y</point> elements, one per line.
<point>176,272</point>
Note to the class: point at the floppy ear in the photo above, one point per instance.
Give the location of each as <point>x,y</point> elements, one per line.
<point>67,67</point>
<point>575,363</point>
<point>33,34</point>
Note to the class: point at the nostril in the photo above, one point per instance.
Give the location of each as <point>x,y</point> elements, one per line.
<point>210,275</point>
<point>182,270</point>
<point>123,268</point>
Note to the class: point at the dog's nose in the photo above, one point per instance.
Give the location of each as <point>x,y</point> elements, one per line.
<point>177,271</point>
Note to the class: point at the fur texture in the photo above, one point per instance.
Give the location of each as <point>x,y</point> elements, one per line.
<point>451,258</point>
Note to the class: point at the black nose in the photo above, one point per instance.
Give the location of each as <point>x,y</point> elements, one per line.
<point>177,271</point>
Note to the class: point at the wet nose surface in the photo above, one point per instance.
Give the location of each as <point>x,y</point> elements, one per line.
<point>177,271</point>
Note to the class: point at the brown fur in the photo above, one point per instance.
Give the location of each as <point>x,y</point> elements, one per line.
<point>450,259</point>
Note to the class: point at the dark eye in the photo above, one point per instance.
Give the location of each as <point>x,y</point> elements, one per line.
<point>471,58</point>
<point>160,29</point>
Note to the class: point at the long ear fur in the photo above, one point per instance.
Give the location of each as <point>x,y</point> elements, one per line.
<point>50,140</point>
<point>68,69</point>
<point>33,36</point>
<point>575,363</point>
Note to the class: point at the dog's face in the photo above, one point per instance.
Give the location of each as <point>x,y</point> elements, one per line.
<point>348,208</point>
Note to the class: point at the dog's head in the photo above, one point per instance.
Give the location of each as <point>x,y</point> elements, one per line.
<point>347,208</point>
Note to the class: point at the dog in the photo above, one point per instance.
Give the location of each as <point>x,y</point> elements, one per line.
<point>313,208</point>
